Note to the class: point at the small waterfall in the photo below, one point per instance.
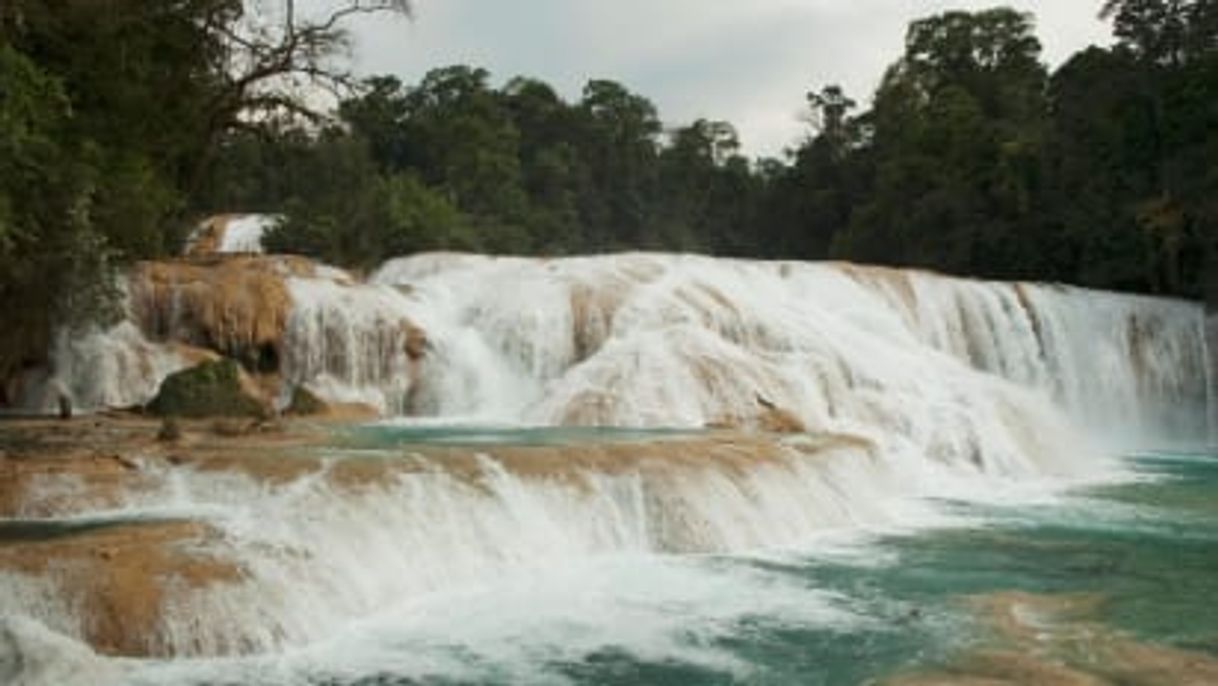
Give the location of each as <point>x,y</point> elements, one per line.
<point>230,234</point>
<point>358,535</point>
<point>31,655</point>
<point>1112,360</point>
<point>98,369</point>
<point>352,343</point>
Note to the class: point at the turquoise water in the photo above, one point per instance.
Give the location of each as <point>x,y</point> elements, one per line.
<point>1149,548</point>
<point>386,436</point>
<point>855,613</point>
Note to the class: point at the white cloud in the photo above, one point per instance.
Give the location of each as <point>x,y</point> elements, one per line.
<point>747,61</point>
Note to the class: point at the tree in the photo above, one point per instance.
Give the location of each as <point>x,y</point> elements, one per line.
<point>344,211</point>
<point>464,142</point>
<point>620,142</point>
<point>971,160</point>
<point>54,265</point>
<point>553,171</point>
<point>955,138</point>
<point>703,194</point>
<point>829,115</point>
<point>113,114</point>
<point>1170,49</point>
<point>1155,30</point>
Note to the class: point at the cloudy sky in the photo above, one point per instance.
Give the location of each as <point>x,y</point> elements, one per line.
<point>746,61</point>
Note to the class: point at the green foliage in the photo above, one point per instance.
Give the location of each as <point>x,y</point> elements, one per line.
<point>55,265</point>
<point>90,128</point>
<point>453,163</point>
<point>110,114</point>
<point>211,389</point>
<point>973,159</point>
<point>345,212</point>
<point>957,132</point>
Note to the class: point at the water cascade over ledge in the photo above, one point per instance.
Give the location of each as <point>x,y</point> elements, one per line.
<point>899,385</point>
<point>645,340</point>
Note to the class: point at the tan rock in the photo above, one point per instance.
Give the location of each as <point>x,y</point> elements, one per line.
<point>120,576</point>
<point>779,421</point>
<point>1054,640</point>
<point>237,306</point>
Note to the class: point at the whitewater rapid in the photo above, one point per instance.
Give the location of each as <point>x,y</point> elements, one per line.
<point>913,388</point>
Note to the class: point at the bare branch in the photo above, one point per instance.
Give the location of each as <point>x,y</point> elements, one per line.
<point>273,58</point>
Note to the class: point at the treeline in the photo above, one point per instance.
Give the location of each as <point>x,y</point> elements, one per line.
<point>973,160</point>
<point>456,163</point>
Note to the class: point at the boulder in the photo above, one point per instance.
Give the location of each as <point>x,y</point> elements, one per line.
<point>212,389</point>
<point>416,341</point>
<point>779,421</point>
<point>305,403</point>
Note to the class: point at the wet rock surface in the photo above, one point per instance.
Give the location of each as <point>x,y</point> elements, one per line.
<point>1054,640</point>
<point>72,540</point>
<point>211,389</point>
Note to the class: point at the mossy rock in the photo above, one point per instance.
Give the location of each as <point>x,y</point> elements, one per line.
<point>212,389</point>
<point>305,403</point>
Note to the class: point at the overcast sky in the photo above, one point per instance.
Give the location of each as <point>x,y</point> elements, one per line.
<point>747,61</point>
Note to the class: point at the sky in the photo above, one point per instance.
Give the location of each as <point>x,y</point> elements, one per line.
<point>749,62</point>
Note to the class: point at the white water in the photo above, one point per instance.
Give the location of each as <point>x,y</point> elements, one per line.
<point>348,342</point>
<point>503,564</point>
<point>680,341</point>
<point>964,389</point>
<point>238,234</point>
<point>115,368</point>
<point>244,234</point>
<point>32,655</point>
<point>654,340</point>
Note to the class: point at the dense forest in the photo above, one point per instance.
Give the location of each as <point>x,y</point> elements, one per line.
<point>122,123</point>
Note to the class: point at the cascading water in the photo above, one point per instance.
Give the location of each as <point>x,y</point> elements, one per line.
<point>680,341</point>
<point>652,340</point>
<point>911,385</point>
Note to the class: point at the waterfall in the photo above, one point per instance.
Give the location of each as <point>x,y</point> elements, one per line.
<point>912,386</point>
<point>656,340</point>
<point>357,534</point>
<point>648,340</point>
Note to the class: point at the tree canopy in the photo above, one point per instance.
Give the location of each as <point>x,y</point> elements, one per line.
<point>972,159</point>
<point>111,114</point>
